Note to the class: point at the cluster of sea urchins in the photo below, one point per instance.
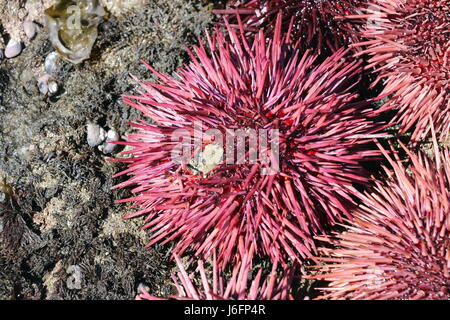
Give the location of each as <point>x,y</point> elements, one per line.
<point>409,45</point>
<point>200,186</point>
<point>398,246</point>
<point>321,134</point>
<point>318,24</point>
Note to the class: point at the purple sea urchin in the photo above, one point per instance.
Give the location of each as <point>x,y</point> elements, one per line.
<point>409,44</point>
<point>397,247</point>
<point>251,84</point>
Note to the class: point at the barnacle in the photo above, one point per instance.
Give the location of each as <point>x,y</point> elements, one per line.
<point>73,27</point>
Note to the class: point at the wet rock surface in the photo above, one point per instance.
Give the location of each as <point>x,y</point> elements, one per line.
<point>62,236</point>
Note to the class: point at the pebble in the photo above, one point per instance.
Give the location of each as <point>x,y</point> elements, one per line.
<point>2,55</point>
<point>30,29</point>
<point>53,63</point>
<point>111,136</point>
<point>43,83</point>
<point>2,199</point>
<point>47,86</point>
<point>52,87</point>
<point>95,134</point>
<point>13,49</point>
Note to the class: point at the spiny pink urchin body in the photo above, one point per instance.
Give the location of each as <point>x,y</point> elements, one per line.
<point>398,246</point>
<point>202,286</point>
<point>318,23</point>
<point>409,44</point>
<point>317,137</point>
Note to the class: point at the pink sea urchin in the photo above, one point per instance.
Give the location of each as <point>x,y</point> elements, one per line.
<point>398,246</point>
<point>320,129</point>
<point>409,44</point>
<point>318,23</point>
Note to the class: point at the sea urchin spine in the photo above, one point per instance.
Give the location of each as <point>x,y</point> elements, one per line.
<point>316,23</point>
<point>274,287</point>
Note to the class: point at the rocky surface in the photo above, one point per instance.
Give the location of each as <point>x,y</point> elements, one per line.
<point>61,235</point>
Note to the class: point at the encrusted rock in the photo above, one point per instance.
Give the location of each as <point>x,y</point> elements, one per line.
<point>30,29</point>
